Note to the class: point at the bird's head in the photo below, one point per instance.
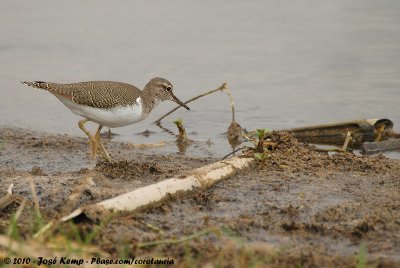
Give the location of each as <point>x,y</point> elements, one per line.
<point>162,90</point>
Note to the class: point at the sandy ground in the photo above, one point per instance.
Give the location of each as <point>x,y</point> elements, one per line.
<point>301,207</point>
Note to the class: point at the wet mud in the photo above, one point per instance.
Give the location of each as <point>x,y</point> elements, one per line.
<point>299,207</point>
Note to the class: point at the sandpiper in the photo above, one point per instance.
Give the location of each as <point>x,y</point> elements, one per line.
<point>108,103</point>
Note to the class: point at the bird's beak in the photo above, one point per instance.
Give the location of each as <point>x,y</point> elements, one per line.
<point>175,99</point>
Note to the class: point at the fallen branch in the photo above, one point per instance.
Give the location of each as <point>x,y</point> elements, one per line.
<point>144,197</point>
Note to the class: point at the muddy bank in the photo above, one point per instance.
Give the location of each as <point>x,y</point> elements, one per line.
<point>62,164</point>
<point>302,207</point>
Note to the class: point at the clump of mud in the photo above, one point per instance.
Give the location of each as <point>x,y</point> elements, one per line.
<point>149,167</point>
<point>289,154</point>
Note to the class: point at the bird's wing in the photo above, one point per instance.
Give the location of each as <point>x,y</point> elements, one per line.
<point>99,94</point>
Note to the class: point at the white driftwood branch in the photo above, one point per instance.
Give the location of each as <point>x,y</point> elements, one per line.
<point>203,177</point>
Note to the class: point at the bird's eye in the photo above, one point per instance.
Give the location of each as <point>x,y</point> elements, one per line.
<point>168,88</point>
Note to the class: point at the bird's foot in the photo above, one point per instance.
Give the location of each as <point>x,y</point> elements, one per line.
<point>103,152</point>
<point>93,148</point>
<point>97,148</point>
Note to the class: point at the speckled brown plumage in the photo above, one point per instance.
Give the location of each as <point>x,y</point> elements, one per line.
<point>99,94</point>
<point>111,104</point>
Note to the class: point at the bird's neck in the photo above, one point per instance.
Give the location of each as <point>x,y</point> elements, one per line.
<point>148,102</point>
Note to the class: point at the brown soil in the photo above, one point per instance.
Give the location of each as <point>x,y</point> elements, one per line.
<point>299,208</point>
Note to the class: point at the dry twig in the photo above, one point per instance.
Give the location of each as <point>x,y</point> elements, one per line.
<point>221,88</point>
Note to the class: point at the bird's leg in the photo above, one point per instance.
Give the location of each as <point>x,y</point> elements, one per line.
<point>91,138</point>
<point>97,135</point>
<point>102,151</point>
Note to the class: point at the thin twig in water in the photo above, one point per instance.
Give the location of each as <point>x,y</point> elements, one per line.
<point>165,129</point>
<point>234,151</point>
<point>247,138</point>
<point>228,91</point>
<point>221,88</point>
<point>174,241</point>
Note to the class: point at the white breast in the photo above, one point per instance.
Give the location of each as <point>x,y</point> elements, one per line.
<point>115,117</point>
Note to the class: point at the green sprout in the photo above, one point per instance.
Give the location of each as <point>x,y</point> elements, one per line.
<point>261,132</point>
<point>362,256</point>
<point>259,156</point>
<point>182,132</point>
<point>261,138</point>
<point>178,121</point>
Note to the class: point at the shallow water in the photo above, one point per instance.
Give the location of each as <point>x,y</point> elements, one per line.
<point>287,64</point>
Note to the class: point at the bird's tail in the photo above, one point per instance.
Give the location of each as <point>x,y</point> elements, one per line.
<point>37,84</point>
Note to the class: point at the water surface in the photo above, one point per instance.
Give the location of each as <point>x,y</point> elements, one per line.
<point>288,63</point>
